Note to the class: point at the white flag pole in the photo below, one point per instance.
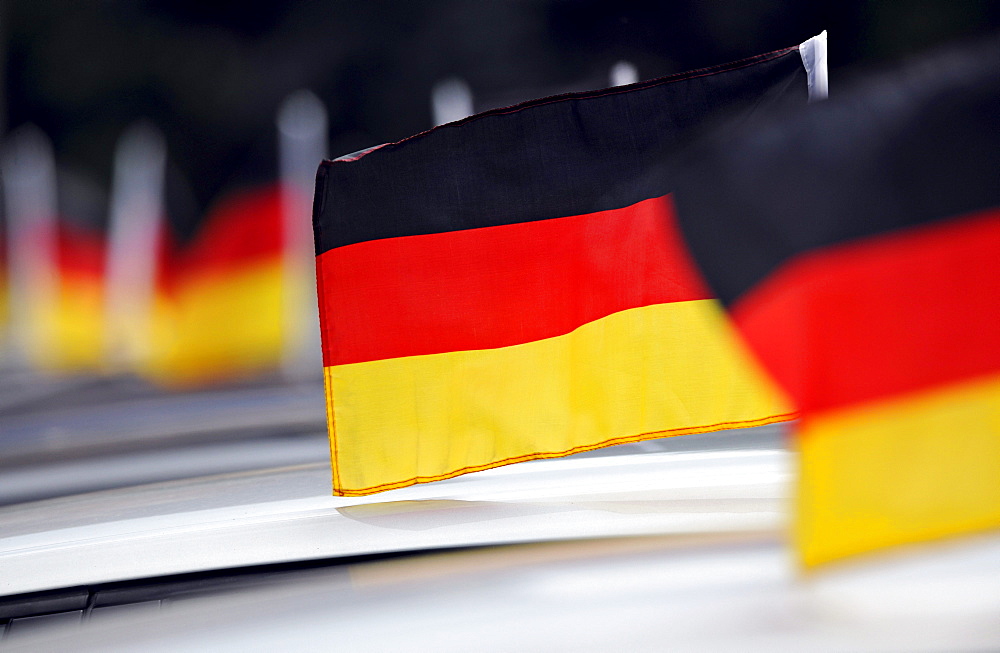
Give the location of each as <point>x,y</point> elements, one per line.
<point>451,100</point>
<point>622,73</point>
<point>29,177</point>
<point>136,216</point>
<point>302,132</point>
<point>813,53</point>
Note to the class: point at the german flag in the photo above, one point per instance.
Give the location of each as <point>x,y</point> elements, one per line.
<point>66,319</point>
<point>856,247</point>
<point>512,286</point>
<point>220,308</point>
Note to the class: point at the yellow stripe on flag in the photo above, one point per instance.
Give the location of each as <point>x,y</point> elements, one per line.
<point>68,333</point>
<point>911,469</point>
<point>220,325</point>
<point>643,373</point>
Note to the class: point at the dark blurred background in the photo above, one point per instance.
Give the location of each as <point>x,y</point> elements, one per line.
<point>211,75</point>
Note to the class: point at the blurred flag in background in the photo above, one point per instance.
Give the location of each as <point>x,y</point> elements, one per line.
<point>235,301</point>
<point>56,265</point>
<point>512,286</point>
<point>856,247</point>
<point>222,310</point>
<point>239,299</point>
<point>71,329</point>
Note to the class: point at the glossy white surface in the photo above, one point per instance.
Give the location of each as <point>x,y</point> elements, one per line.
<point>286,514</point>
<point>635,594</point>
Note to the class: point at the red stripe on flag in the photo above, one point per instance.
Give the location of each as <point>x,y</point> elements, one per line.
<point>883,316</point>
<point>80,251</point>
<point>243,229</point>
<point>499,286</point>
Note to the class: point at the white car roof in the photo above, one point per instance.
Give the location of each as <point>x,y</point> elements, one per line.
<point>287,514</point>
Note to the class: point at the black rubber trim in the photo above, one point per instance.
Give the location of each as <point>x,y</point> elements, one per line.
<point>176,586</point>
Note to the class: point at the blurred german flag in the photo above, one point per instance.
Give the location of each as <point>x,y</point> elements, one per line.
<point>54,261</point>
<point>60,313</point>
<point>856,247</point>
<point>220,303</point>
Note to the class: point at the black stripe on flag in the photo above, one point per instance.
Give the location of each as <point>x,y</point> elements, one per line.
<point>871,160</point>
<point>548,158</point>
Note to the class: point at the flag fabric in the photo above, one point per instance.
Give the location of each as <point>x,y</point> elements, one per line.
<point>67,320</point>
<point>512,286</point>
<point>55,263</point>
<point>218,313</point>
<point>856,249</point>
